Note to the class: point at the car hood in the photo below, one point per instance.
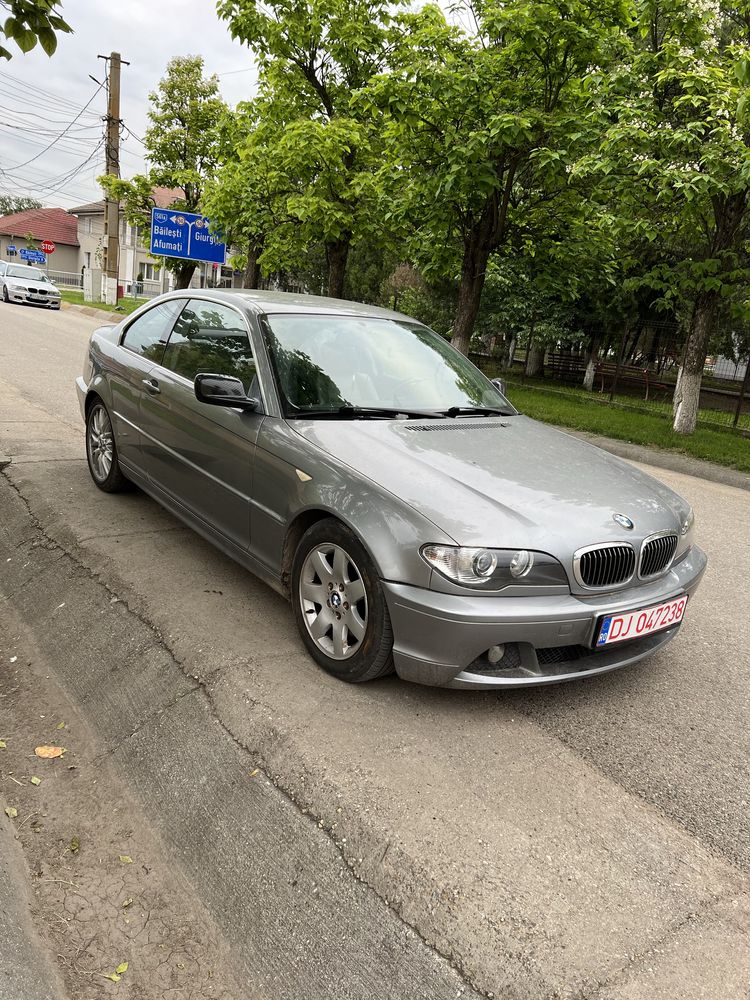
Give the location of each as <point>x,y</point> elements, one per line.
<point>502,482</point>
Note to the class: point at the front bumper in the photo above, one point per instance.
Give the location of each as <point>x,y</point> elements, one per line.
<point>31,298</point>
<point>441,639</point>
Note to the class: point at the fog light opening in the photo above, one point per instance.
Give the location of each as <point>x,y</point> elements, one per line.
<point>495,654</point>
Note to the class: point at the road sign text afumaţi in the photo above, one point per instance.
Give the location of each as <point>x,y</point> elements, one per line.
<point>184,235</point>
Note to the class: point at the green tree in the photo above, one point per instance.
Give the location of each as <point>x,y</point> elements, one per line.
<point>479,126</point>
<point>31,21</point>
<point>314,56</point>
<point>10,204</point>
<point>185,143</point>
<point>675,156</point>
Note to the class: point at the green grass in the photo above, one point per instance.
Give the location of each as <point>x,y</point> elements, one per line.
<point>646,429</point>
<point>660,408</point>
<point>126,306</point>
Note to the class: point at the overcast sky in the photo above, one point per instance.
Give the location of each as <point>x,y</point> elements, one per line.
<point>39,96</point>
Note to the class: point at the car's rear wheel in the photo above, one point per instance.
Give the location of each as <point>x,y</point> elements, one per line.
<point>339,604</point>
<point>101,450</point>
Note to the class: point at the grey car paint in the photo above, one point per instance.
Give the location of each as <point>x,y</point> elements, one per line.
<point>505,482</point>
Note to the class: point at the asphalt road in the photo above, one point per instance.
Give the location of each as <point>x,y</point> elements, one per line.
<point>584,840</point>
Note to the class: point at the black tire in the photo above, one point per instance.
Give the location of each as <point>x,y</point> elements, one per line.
<point>364,658</point>
<point>107,475</point>
<point>6,297</point>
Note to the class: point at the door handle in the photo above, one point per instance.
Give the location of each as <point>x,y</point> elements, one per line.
<point>152,386</point>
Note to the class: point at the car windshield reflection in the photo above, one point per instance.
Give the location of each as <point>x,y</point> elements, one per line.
<point>351,365</point>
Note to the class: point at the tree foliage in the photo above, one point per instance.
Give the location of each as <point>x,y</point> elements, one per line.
<point>10,204</point>
<point>29,22</point>
<point>314,56</point>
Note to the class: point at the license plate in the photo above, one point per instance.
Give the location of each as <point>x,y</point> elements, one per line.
<point>634,624</point>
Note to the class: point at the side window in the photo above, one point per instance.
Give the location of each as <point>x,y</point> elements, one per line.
<point>211,338</point>
<point>148,334</point>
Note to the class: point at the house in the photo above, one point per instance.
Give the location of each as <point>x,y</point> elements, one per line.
<point>53,224</point>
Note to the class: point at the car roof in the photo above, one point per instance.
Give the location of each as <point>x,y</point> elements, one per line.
<point>267,303</point>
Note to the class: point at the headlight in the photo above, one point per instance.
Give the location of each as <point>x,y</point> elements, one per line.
<point>687,524</point>
<point>492,569</point>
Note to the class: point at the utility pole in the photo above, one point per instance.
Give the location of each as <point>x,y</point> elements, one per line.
<point>112,150</point>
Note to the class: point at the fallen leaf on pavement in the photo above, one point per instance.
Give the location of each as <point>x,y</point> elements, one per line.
<point>122,967</point>
<point>61,725</point>
<point>253,773</point>
<point>125,859</point>
<point>127,903</point>
<point>114,977</point>
<point>34,780</point>
<point>74,846</point>
<point>11,812</point>
<point>2,744</point>
<point>49,752</point>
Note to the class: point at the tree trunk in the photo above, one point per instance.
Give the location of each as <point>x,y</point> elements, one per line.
<point>473,274</point>
<point>337,254</point>
<point>251,275</point>
<point>588,378</point>
<point>688,389</point>
<point>535,364</point>
<point>184,274</point>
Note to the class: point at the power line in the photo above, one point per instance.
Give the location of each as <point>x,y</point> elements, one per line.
<point>38,98</point>
<point>43,151</point>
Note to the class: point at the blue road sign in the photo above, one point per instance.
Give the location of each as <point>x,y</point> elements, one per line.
<point>11,250</point>
<point>33,256</point>
<point>185,235</point>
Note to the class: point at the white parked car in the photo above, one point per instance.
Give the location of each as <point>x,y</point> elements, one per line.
<point>22,283</point>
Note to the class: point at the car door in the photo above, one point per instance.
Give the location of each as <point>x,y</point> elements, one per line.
<point>141,346</point>
<point>201,455</point>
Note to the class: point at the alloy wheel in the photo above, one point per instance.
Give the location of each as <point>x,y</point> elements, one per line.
<point>333,600</point>
<point>100,443</point>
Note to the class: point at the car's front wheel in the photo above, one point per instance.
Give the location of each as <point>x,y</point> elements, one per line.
<point>339,604</point>
<point>101,450</point>
<point>6,297</point>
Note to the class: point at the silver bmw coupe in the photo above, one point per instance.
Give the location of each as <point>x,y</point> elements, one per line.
<point>357,463</point>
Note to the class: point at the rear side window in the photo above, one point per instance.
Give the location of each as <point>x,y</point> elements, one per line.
<point>211,338</point>
<point>148,334</point>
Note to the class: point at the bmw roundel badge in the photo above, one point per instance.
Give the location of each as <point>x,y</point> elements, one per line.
<point>624,521</point>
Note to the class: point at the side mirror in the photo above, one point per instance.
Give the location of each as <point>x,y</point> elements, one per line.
<point>499,383</point>
<point>223,390</point>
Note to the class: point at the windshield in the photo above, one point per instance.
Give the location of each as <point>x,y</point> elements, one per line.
<point>323,363</point>
<point>19,271</point>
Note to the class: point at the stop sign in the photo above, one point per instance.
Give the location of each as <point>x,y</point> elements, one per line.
<point>47,246</point>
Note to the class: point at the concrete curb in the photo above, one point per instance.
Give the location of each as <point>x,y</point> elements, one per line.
<point>91,311</point>
<point>672,461</point>
<point>27,971</point>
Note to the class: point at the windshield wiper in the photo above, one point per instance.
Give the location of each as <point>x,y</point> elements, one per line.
<point>348,412</point>
<point>478,411</point>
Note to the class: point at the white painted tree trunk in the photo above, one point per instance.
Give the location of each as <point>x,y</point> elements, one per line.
<point>535,367</point>
<point>588,378</point>
<point>677,397</point>
<point>687,400</point>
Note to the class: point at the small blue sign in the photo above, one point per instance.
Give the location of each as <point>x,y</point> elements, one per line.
<point>184,235</point>
<point>33,256</point>
<point>11,250</point>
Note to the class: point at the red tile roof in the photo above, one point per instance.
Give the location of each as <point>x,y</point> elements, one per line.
<point>44,224</point>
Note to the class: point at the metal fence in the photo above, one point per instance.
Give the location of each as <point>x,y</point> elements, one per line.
<point>69,279</point>
<point>144,289</point>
